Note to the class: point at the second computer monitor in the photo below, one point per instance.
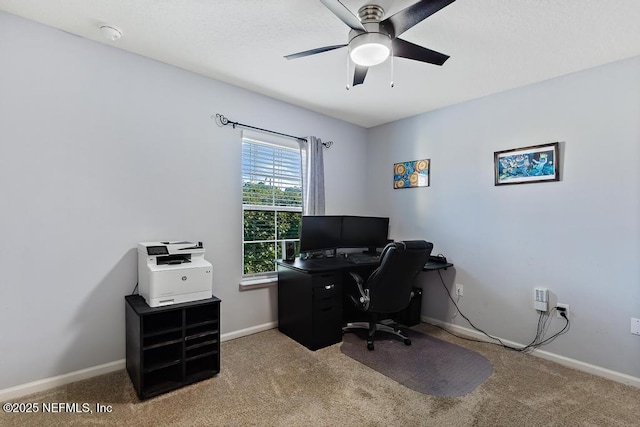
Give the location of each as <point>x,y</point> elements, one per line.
<point>320,232</point>
<point>364,232</point>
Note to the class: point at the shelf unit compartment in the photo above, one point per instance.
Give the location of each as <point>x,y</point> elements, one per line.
<point>201,331</point>
<point>202,367</point>
<point>201,351</point>
<point>162,322</point>
<point>201,341</point>
<point>162,339</point>
<point>204,314</point>
<point>161,380</point>
<point>161,357</point>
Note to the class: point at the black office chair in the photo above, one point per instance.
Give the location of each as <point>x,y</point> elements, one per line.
<point>388,288</point>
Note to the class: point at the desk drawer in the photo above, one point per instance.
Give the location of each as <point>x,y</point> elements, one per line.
<point>326,303</point>
<point>325,279</point>
<point>327,325</point>
<point>326,286</point>
<point>328,292</point>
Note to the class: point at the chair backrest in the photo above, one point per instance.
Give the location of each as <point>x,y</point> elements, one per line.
<point>390,284</point>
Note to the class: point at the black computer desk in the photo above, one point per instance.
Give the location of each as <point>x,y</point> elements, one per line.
<point>310,297</point>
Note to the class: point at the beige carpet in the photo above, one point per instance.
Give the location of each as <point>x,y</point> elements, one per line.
<point>269,380</point>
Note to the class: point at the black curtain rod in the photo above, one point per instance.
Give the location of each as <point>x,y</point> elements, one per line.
<point>223,121</point>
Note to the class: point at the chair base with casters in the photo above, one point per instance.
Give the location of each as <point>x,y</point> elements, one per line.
<point>374,326</point>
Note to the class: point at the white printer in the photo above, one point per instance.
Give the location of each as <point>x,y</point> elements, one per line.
<point>173,272</point>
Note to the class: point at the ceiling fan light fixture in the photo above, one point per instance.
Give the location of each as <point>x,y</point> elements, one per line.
<point>369,49</point>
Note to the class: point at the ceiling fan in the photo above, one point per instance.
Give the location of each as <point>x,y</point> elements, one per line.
<point>373,39</point>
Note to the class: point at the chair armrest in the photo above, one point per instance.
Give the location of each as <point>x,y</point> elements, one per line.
<point>363,301</point>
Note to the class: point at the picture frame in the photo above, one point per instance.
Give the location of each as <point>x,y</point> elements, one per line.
<point>412,174</point>
<point>525,165</point>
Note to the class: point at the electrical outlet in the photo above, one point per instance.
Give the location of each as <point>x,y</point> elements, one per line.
<point>560,308</point>
<point>459,289</point>
<point>635,326</point>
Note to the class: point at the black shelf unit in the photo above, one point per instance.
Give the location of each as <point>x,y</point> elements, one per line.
<point>172,346</point>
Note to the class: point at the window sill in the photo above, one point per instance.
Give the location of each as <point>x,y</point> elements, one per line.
<point>258,283</point>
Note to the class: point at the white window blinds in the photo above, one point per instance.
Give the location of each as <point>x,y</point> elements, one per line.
<point>271,203</point>
<point>271,175</point>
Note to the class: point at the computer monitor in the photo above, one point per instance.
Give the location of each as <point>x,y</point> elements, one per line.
<point>320,232</point>
<point>364,232</point>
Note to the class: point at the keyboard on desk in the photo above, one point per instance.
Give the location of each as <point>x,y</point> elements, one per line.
<point>325,262</point>
<point>363,259</point>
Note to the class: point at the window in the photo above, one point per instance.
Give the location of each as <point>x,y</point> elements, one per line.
<point>271,203</point>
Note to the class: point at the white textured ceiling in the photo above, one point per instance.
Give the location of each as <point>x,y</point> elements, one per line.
<point>494,45</point>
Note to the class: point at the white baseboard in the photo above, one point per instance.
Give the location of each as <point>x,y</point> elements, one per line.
<point>248,331</point>
<point>83,374</point>
<point>59,380</point>
<point>562,360</point>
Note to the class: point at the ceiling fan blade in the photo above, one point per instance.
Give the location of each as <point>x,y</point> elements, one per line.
<point>359,74</point>
<point>401,21</point>
<point>344,14</point>
<point>314,51</point>
<point>405,49</point>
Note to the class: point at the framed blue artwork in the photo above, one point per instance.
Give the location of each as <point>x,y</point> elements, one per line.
<point>411,174</point>
<point>538,163</point>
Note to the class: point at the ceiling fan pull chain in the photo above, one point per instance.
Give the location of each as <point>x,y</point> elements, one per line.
<point>348,62</point>
<point>392,84</point>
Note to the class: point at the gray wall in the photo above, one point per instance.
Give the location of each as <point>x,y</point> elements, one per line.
<point>579,237</point>
<point>101,149</point>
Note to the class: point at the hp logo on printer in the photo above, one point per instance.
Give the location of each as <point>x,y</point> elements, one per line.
<point>184,278</point>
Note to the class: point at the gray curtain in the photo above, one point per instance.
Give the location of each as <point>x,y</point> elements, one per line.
<point>312,176</point>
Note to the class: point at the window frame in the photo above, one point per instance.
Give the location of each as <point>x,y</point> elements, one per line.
<point>262,279</point>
